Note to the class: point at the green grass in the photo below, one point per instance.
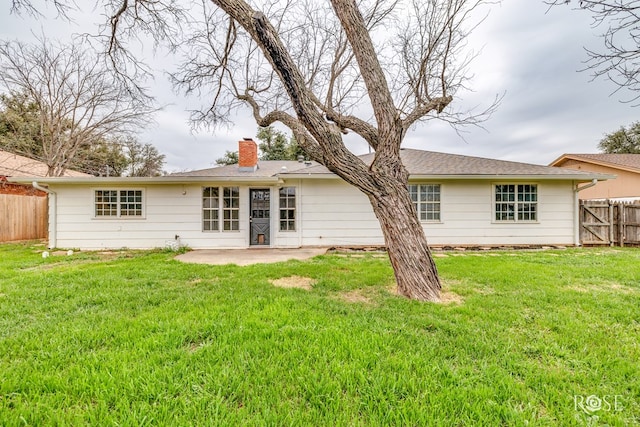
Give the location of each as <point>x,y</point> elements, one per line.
<point>136,338</point>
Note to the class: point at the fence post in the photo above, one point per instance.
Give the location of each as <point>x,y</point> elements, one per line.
<point>621,224</point>
<point>612,241</point>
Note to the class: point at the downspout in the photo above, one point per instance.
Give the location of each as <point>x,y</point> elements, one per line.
<point>576,207</point>
<point>53,214</point>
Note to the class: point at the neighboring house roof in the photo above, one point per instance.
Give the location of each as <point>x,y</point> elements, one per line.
<point>420,164</point>
<point>628,162</point>
<point>13,165</point>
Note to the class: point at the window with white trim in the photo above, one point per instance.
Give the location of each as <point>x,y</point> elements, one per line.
<point>118,203</point>
<point>210,209</point>
<point>220,205</point>
<point>288,209</point>
<point>426,200</point>
<point>516,202</point>
<point>231,209</point>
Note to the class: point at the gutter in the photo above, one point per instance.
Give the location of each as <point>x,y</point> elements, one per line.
<point>576,207</point>
<point>584,187</point>
<point>53,214</point>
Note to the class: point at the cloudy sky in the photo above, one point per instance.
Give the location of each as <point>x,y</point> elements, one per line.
<point>530,54</point>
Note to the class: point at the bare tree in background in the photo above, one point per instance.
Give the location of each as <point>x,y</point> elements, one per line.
<point>374,68</point>
<point>79,101</point>
<point>619,61</point>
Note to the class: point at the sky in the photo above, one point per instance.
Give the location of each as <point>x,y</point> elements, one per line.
<point>530,55</point>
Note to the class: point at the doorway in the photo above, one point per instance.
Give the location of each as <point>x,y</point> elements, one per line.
<point>259,216</point>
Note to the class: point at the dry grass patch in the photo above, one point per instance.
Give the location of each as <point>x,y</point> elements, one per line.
<point>449,297</point>
<point>299,282</point>
<point>604,287</point>
<point>356,296</point>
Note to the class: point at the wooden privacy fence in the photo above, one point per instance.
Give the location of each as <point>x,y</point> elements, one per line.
<point>23,217</point>
<point>605,222</point>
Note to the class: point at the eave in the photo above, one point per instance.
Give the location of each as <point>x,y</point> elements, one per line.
<point>557,163</point>
<point>161,180</point>
<point>579,177</point>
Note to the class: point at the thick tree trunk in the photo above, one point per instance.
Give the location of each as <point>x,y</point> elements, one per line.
<point>385,180</point>
<point>413,265</point>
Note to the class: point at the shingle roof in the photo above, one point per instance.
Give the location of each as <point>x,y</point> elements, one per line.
<point>266,168</point>
<point>419,164</point>
<point>14,165</point>
<point>631,161</point>
<point>429,163</point>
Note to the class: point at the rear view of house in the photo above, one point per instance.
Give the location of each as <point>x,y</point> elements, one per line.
<point>460,200</point>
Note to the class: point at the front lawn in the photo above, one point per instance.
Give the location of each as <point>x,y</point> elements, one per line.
<point>137,338</point>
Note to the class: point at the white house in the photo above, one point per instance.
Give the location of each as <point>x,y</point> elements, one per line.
<point>460,200</point>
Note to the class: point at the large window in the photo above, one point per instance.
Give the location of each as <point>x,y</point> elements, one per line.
<point>516,202</point>
<point>426,199</point>
<point>118,203</point>
<point>220,205</point>
<point>288,209</point>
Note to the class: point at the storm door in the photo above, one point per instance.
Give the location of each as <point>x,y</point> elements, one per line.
<point>260,217</point>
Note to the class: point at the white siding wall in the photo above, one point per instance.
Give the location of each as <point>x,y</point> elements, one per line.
<point>168,212</point>
<point>329,212</point>
<point>337,214</point>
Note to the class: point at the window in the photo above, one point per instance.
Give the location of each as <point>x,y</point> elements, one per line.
<point>288,209</point>
<point>210,209</point>
<point>516,202</point>
<point>213,204</point>
<point>130,203</point>
<point>118,203</point>
<point>426,199</point>
<point>231,209</point>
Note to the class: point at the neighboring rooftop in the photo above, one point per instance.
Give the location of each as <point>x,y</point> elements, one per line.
<point>618,161</point>
<point>13,165</point>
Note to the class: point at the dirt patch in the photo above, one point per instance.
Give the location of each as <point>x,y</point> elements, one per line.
<point>355,297</point>
<point>194,346</point>
<point>299,282</point>
<point>446,296</point>
<point>449,297</point>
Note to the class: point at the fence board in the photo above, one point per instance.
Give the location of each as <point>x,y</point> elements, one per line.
<point>632,224</point>
<point>23,217</point>
<point>609,223</point>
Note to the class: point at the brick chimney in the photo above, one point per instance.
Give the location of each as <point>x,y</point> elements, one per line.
<point>247,155</point>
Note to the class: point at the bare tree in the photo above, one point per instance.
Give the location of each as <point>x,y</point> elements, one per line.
<point>79,101</point>
<point>620,59</point>
<point>323,69</point>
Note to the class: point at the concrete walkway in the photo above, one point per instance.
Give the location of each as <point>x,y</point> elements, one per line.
<point>248,256</point>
